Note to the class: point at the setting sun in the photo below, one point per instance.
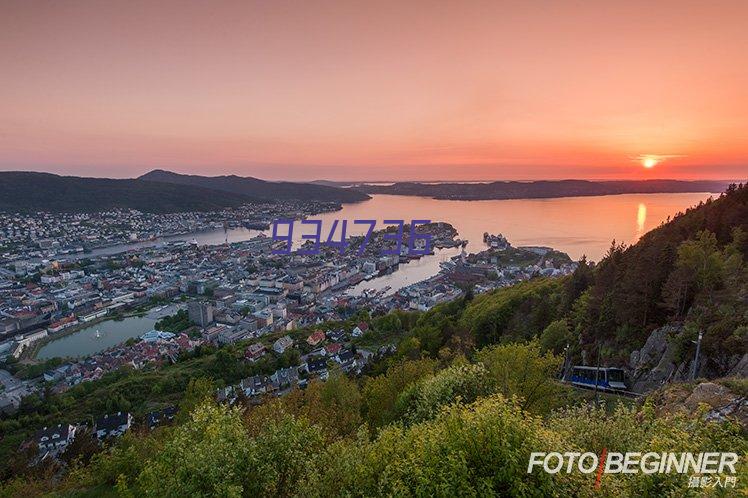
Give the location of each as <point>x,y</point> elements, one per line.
<point>649,162</point>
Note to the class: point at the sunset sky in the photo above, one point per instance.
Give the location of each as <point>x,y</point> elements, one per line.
<point>375,90</point>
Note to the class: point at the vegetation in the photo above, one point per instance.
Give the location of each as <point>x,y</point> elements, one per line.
<point>256,188</point>
<point>31,370</point>
<point>455,431</point>
<point>175,323</point>
<point>32,192</point>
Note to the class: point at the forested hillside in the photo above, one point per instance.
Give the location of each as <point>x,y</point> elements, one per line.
<point>689,271</point>
<point>25,192</point>
<point>258,189</point>
<point>541,189</point>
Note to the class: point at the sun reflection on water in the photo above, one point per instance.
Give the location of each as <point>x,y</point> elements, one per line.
<point>641,218</point>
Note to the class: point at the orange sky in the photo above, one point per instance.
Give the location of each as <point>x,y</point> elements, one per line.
<point>376,90</point>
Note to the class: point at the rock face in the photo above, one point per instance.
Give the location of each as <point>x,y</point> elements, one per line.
<point>654,364</point>
<point>740,369</point>
<point>723,403</point>
<point>710,394</point>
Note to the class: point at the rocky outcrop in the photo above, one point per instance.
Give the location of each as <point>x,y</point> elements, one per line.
<point>741,368</point>
<point>718,401</point>
<point>654,364</point>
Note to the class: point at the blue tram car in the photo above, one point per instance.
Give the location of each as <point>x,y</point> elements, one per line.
<point>608,379</point>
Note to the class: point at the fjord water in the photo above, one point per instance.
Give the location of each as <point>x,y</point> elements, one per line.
<point>575,225</point>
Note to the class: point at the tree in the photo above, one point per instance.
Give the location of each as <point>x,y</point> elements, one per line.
<point>388,324</point>
<point>334,405</point>
<point>578,282</point>
<point>289,447</point>
<point>210,455</point>
<point>198,392</point>
<point>83,447</point>
<point>555,337</point>
<point>457,384</point>
<point>702,259</point>
<point>380,393</point>
<point>522,370</point>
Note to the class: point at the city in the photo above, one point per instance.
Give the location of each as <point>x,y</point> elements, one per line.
<point>234,293</point>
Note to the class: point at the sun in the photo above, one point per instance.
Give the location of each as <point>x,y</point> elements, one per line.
<point>649,162</point>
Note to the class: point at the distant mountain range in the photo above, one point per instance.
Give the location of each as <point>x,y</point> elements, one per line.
<point>155,192</point>
<point>162,191</point>
<point>31,192</point>
<point>542,189</point>
<point>259,189</point>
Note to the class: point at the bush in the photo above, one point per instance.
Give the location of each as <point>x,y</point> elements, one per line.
<point>522,370</point>
<point>457,384</point>
<point>587,428</point>
<point>476,450</point>
<point>210,455</point>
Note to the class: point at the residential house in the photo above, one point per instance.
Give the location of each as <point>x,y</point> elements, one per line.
<point>226,395</point>
<point>55,439</point>
<point>282,344</point>
<point>360,329</point>
<point>347,360</point>
<point>317,367</point>
<point>156,418</point>
<point>317,337</point>
<point>285,377</point>
<point>256,385</point>
<point>333,349</point>
<point>113,425</point>
<point>336,335</point>
<point>254,352</point>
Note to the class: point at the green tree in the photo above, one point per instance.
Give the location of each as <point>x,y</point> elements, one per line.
<point>522,370</point>
<point>702,259</point>
<point>555,337</point>
<point>289,448</point>
<point>380,393</point>
<point>334,405</point>
<point>198,391</point>
<point>456,384</point>
<point>475,450</point>
<point>210,455</point>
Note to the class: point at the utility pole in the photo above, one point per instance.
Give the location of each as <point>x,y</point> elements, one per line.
<point>696,358</point>
<point>597,377</point>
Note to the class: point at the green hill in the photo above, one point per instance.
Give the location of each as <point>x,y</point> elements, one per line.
<point>32,192</point>
<point>259,189</point>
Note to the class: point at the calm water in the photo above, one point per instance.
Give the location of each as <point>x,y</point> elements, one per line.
<point>85,343</point>
<point>409,273</point>
<point>576,225</point>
